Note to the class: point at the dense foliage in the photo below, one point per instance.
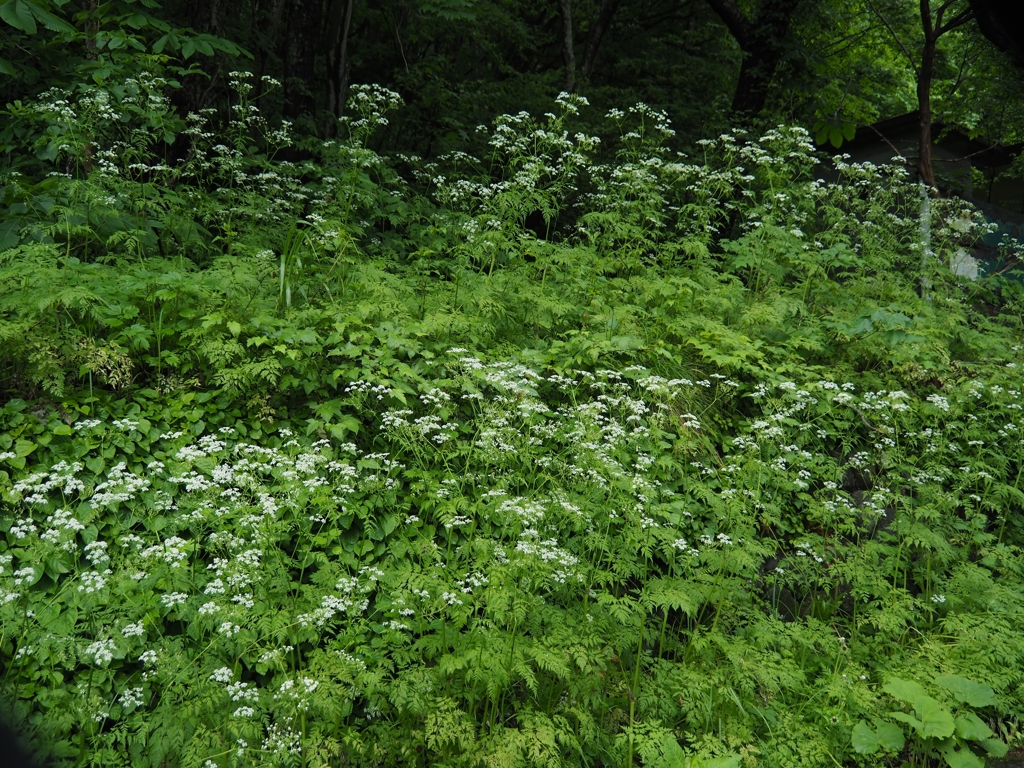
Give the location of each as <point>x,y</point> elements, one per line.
<point>554,445</point>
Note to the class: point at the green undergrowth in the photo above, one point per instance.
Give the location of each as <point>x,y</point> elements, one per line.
<point>570,455</point>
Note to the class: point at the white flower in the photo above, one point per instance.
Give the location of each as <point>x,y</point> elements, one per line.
<point>132,697</point>
<point>133,630</point>
<point>101,651</point>
<point>171,599</point>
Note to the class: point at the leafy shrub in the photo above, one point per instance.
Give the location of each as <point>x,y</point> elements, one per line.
<point>510,564</point>
<point>333,458</point>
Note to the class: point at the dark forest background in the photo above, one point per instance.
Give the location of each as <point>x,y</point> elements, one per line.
<point>833,67</point>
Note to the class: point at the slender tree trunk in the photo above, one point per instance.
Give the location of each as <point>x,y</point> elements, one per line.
<point>924,107</point>
<point>568,50</point>
<point>301,36</point>
<point>597,33</point>
<point>338,65</point>
<point>933,28</point>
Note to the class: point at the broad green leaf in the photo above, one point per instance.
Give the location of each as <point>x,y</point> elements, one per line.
<point>48,20</point>
<point>24,447</point>
<point>994,747</point>
<point>6,68</point>
<point>970,726</point>
<point>910,720</point>
<point>729,761</point>
<point>10,231</point>
<point>959,758</point>
<point>890,736</point>
<point>967,691</point>
<point>674,755</point>
<point>865,740</point>
<point>18,15</point>
<point>936,720</point>
<point>905,690</point>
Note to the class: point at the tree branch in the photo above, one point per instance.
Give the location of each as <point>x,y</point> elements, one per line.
<point>888,26</point>
<point>956,21</point>
<point>734,18</point>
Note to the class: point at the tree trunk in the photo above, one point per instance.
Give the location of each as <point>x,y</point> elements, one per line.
<point>568,50</point>
<point>762,42</point>
<point>924,107</point>
<point>933,30</point>
<point>597,32</point>
<point>338,65</point>
<point>300,57</point>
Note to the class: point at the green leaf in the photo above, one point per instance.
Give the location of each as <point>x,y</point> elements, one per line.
<point>235,328</point>
<point>17,14</point>
<point>674,755</point>
<point>910,720</point>
<point>835,137</point>
<point>24,448</point>
<point>967,691</point>
<point>163,41</point>
<point>10,232</point>
<point>890,736</point>
<point>970,726</point>
<point>48,20</point>
<point>959,758</point>
<point>865,740</point>
<point>6,68</point>
<point>905,690</point>
<point>994,747</point>
<point>188,49</point>
<point>729,761</point>
<point>345,425</point>
<point>936,720</point>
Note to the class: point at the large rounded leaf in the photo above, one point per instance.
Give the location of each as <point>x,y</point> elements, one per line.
<point>936,720</point>
<point>967,691</point>
<point>905,690</point>
<point>970,726</point>
<point>865,740</point>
